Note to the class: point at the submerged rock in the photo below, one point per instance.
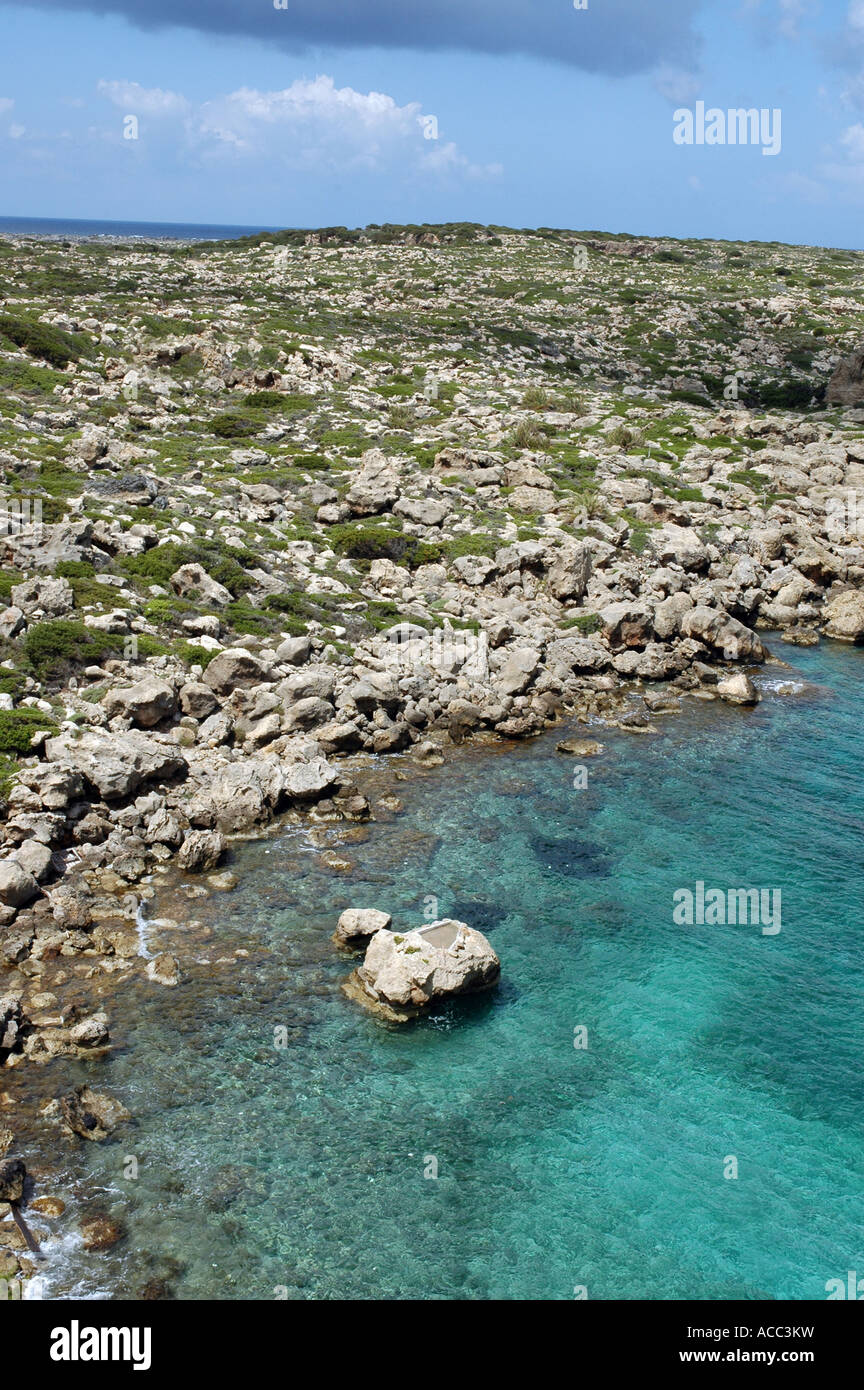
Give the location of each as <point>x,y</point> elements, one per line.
<point>403,975</point>
<point>164,970</point>
<point>91,1114</point>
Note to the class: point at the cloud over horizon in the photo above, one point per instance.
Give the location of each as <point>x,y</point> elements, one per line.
<point>614,37</point>
<point>312,125</point>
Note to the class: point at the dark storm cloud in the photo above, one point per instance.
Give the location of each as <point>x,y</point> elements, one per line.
<point>610,36</point>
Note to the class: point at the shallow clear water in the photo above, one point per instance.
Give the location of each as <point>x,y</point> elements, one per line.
<point>303,1168</point>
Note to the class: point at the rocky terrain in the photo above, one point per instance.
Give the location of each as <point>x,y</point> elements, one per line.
<point>268,505</point>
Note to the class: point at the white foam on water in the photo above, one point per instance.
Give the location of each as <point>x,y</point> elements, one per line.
<point>142,924</point>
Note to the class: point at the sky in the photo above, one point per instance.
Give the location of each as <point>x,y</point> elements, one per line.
<point>519,112</point>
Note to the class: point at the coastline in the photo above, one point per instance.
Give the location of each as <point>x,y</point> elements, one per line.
<point>246,551</point>
<point>206,961</point>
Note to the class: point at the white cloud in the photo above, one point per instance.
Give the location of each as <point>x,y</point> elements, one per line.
<point>852,141</point>
<point>307,123</point>
<point>143,101</point>
<point>446,159</point>
<point>845,165</point>
<point>16,131</point>
<point>6,104</point>
<point>312,125</point>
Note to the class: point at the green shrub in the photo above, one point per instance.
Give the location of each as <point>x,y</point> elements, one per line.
<point>586,623</point>
<point>43,341</point>
<point>75,569</point>
<point>527,436</point>
<point>17,727</point>
<point>157,565</point>
<point>50,648</point>
<point>229,425</point>
<point>361,542</point>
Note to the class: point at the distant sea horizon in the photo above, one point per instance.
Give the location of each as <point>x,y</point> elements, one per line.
<point>72,227</point>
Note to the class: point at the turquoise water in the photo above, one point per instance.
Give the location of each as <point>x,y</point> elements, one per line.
<point>303,1169</point>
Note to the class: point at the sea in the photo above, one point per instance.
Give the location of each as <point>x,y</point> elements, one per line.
<point>73,228</point>
<point>641,1110</point>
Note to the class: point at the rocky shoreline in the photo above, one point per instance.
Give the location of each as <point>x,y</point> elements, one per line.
<point>202,634</point>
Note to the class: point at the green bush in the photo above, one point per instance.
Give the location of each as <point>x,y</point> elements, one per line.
<point>75,569</point>
<point>157,565</point>
<point>49,648</point>
<point>361,542</point>
<point>17,727</point>
<point>43,341</point>
<point>229,425</point>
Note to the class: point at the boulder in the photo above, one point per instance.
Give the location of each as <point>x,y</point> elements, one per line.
<point>376,486</point>
<point>569,573</point>
<point>474,570</point>
<point>846,386</point>
<point>357,924</point>
<point>93,443</point>
<point>679,545</point>
<point>293,651</point>
<point>236,668</point>
<point>532,499</point>
<point>738,689</point>
<point>72,905</point>
<point>668,614</point>
<point>101,1232</point>
<point>402,975</point>
<point>518,670</point>
<point>576,654</point>
<point>724,634</point>
<point>197,700</point>
<point>425,511</point>
<point>12,1025</point>
<point>194,580</point>
<point>307,714</point>
<point>626,624</point>
<point>17,886</point>
<point>91,1031</point>
<point>201,851</point>
<point>164,969</point>
<point>35,858</point>
<point>146,703</point>
<point>844,617</point>
<point>311,780</point>
<point>11,621</point>
<point>53,597</point>
<point>116,764</point>
<point>13,1175</point>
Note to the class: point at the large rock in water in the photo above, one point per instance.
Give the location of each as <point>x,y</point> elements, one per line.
<point>13,1175</point>
<point>724,634</point>
<point>403,974</point>
<point>844,617</point>
<point>357,924</point>
<point>846,386</point>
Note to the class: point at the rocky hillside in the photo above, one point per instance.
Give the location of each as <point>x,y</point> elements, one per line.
<point>267,503</point>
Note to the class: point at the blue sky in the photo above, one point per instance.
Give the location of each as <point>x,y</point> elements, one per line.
<point>322,112</point>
